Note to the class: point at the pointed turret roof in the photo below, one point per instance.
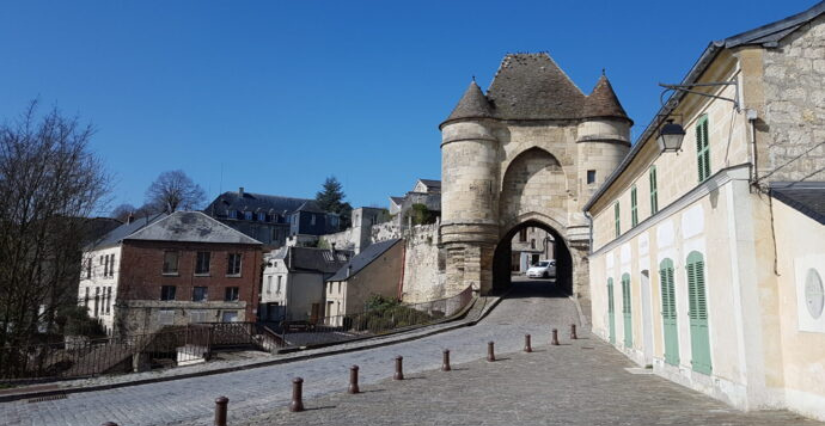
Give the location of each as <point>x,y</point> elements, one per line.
<point>532,86</point>
<point>603,102</point>
<point>472,105</point>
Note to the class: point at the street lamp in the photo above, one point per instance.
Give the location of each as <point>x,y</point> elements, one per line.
<point>671,136</point>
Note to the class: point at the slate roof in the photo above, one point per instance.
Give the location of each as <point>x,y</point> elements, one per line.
<point>603,102</point>
<point>314,259</point>
<point>767,35</point>
<point>273,204</point>
<point>397,200</point>
<point>806,197</point>
<point>472,105</point>
<point>118,234</point>
<point>532,86</point>
<point>310,206</point>
<point>363,259</point>
<point>191,226</point>
<point>432,184</point>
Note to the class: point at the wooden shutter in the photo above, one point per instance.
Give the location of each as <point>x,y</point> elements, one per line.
<point>634,210</point>
<point>699,332</point>
<point>702,149</point>
<point>671,335</point>
<point>654,195</point>
<point>617,216</point>
<point>626,311</point>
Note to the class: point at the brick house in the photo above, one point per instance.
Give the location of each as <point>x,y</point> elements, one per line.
<point>171,270</point>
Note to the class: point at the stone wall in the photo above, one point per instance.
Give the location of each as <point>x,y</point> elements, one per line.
<point>795,106</point>
<point>424,277</point>
<point>344,240</point>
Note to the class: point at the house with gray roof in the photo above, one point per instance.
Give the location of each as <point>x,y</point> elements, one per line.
<point>271,219</point>
<point>170,269</point>
<point>377,270</point>
<point>293,281</point>
<point>426,192</point>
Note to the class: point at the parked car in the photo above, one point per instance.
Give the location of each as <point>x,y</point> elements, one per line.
<point>542,269</point>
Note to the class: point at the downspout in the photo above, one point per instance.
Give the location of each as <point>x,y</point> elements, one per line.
<point>403,270</point>
<point>590,238</point>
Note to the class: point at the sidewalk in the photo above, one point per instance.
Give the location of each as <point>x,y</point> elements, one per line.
<point>582,382</point>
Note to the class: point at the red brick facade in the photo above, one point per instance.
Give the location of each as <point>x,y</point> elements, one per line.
<point>141,272</point>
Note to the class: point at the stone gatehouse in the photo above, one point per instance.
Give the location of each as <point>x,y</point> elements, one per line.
<point>529,152</point>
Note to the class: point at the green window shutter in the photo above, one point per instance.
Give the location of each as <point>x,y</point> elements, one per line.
<point>699,332</point>
<point>627,312</point>
<point>702,149</point>
<point>634,210</point>
<point>654,196</point>
<point>669,312</point>
<point>617,216</point>
<point>611,312</point>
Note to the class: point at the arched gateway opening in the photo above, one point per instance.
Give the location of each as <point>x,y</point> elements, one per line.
<point>526,245</point>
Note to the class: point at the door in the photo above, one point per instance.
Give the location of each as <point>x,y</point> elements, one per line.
<point>669,312</point>
<point>611,312</point>
<point>647,318</point>
<point>627,318</point>
<point>698,314</point>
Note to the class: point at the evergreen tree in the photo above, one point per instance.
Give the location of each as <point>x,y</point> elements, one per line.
<point>331,199</point>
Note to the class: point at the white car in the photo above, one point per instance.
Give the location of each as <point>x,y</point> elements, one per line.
<point>543,269</point>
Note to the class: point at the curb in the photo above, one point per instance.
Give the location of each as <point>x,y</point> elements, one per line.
<point>66,391</point>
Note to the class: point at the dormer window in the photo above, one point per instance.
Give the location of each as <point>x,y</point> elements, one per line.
<point>262,217</point>
<point>247,215</point>
<point>233,214</point>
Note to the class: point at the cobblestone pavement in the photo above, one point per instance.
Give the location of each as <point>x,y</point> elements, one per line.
<point>533,307</point>
<point>579,383</point>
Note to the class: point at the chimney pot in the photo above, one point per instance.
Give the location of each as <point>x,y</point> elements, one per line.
<point>240,192</point>
<point>130,218</point>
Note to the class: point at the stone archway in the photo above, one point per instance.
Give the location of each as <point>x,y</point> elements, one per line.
<point>502,275</point>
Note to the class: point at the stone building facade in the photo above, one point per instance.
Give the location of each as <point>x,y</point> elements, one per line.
<point>528,153</point>
<point>708,265</point>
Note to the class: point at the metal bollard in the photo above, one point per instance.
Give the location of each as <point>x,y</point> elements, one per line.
<point>573,332</point>
<point>297,400</point>
<point>399,373</point>
<point>445,364</point>
<point>527,346</point>
<point>491,354</point>
<point>220,410</point>
<point>555,341</point>
<point>353,380</point>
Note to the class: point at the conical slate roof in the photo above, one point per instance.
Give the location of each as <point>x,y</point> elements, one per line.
<point>532,86</point>
<point>472,105</point>
<point>603,102</point>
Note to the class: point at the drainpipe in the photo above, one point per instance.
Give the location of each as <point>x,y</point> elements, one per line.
<point>590,239</point>
<point>752,116</point>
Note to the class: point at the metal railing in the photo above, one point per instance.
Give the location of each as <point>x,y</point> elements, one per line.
<point>370,323</point>
<point>172,346</point>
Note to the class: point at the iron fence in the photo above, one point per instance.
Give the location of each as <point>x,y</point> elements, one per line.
<point>369,323</point>
<point>77,357</point>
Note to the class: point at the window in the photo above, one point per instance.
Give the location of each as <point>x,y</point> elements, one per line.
<point>202,265</point>
<point>229,316</point>
<point>634,208</point>
<point>269,284</point>
<point>232,294</point>
<point>198,315</point>
<point>233,214</point>
<point>167,292</point>
<point>108,300</point>
<point>89,268</point>
<point>86,299</point>
<point>199,294</point>
<point>97,300</point>
<point>166,316</point>
<point>278,288</point>
<point>591,177</point>
<point>654,196</point>
<point>312,219</point>
<point>339,287</point>
<point>703,149</point>
<point>170,262</point>
<point>106,266</point>
<point>616,216</point>
<point>522,235</point>
<point>262,217</point>
<point>247,215</point>
<point>112,265</point>
<point>533,243</point>
<point>233,264</point>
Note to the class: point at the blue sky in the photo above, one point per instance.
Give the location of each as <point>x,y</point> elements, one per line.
<point>280,95</point>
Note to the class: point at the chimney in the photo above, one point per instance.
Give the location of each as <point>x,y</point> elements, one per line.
<point>349,271</point>
<point>130,219</point>
<point>332,249</point>
<point>240,192</point>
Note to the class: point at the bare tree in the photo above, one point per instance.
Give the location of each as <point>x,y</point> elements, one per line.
<point>50,183</point>
<point>123,211</point>
<point>174,190</point>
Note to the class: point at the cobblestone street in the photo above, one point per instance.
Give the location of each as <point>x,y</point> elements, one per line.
<point>580,382</point>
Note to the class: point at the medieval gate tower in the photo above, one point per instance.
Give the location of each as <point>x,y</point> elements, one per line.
<point>528,153</point>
